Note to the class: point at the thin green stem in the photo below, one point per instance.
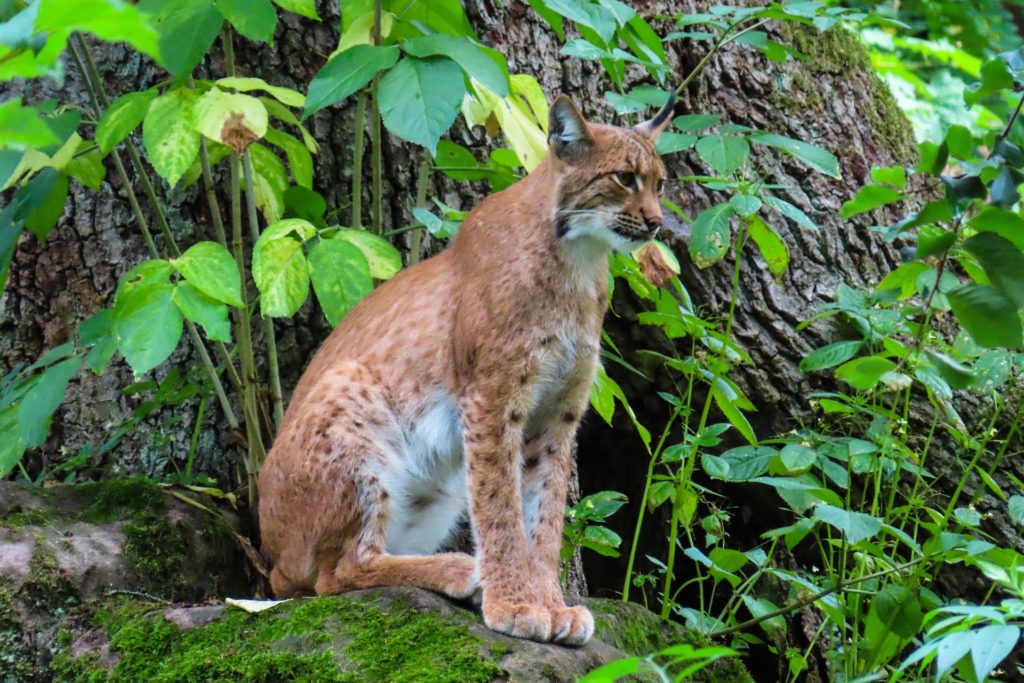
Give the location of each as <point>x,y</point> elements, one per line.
<point>376,136</point>
<point>722,41</point>
<point>359,143</point>
<point>416,239</point>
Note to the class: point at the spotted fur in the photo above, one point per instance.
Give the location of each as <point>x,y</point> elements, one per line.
<point>456,388</point>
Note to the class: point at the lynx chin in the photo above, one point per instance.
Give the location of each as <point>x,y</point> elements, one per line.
<point>458,387</point>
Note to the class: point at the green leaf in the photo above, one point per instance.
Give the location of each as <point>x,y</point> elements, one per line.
<point>1015,507</point>
<point>11,445</point>
<point>724,153</point>
<point>746,205</point>
<point>22,127</point>
<point>1003,190</point>
<point>994,78</point>
<point>747,462</point>
<point>270,182</point>
<point>97,334</point>
<point>171,141</point>
<point>669,142</point>
<point>287,96</point>
<point>735,416</point>
<point>864,373</point>
<point>202,310</point>
<point>771,246</point>
<point>231,119</point>
<point>692,122</point>
<point>254,19</point>
<point>346,73</point>
<point>147,324</point>
<point>817,158</point>
<point>956,375</point>
<point>384,260</point>
<point>1007,224</point>
<point>299,159</point>
<point>989,315</point>
<point>904,278</point>
<point>899,610</point>
<point>279,267</point>
<point>933,240</point>
<point>209,268</point>
<point>187,29</point>
<point>111,21</point>
<point>759,607</point>
<point>340,275</point>
<point>797,458</point>
<point>867,198</point>
<point>855,526</point>
<point>45,216</point>
<point>479,62</point>
<point>43,399</point>
<point>420,98</point>
<point>709,239</point>
<point>992,645</point>
<point>122,117</point>
<point>306,8</point>
<point>890,175</point>
<point>830,355</point>
<point>791,212</point>
<point>728,559</point>
<point>1003,263</point>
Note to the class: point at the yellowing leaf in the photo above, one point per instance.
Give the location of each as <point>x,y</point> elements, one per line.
<point>231,119</point>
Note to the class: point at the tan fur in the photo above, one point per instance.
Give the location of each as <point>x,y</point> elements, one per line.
<point>461,380</point>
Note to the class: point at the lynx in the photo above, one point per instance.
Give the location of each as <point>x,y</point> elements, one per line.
<point>459,385</point>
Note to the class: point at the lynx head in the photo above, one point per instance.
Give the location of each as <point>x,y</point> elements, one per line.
<point>611,178</point>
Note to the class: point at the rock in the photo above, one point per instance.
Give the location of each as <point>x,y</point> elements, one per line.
<point>65,548</point>
<point>399,635</point>
<point>98,582</point>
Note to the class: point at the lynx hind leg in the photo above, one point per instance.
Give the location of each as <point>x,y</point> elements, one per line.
<point>367,564</point>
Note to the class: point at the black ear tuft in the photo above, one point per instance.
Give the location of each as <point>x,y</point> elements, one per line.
<point>568,135</point>
<point>652,128</point>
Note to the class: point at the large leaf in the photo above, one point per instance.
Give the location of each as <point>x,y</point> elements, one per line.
<point>992,645</point>
<point>42,399</point>
<point>856,526</point>
<point>292,98</point>
<point>869,197</point>
<point>45,215</point>
<point>724,153</point>
<point>817,158</point>
<point>11,445</point>
<point>306,8</point>
<point>1001,222</point>
<point>346,73</point>
<point>420,98</point>
<point>208,266</point>
<point>111,20</point>
<point>771,246</point>
<point>122,117</point>
<point>254,19</point>
<point>279,267</point>
<point>1003,263</point>
<point>709,238</point>
<point>202,310</point>
<point>97,334</point>
<point>187,29</point>
<point>864,373</point>
<point>830,355</point>
<point>147,324</point>
<point>340,275</point>
<point>270,182</point>
<point>989,315</point>
<point>384,260</point>
<point>299,159</point>
<point>231,119</point>
<point>478,62</point>
<point>171,141</point>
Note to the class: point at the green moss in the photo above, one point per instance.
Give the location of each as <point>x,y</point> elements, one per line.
<point>638,632</point>
<point>29,517</point>
<point>295,642</point>
<point>839,52</point>
<point>45,588</point>
<point>16,659</point>
<point>118,499</point>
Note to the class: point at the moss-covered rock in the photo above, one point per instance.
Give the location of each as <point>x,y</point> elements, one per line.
<point>400,635</point>
<point>65,547</point>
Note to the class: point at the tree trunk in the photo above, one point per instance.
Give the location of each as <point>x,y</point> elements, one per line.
<point>833,99</point>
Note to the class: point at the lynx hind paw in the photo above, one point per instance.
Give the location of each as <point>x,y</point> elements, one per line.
<point>531,622</point>
<point>571,625</point>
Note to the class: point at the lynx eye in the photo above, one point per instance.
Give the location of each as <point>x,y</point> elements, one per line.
<point>625,178</point>
<point>661,187</point>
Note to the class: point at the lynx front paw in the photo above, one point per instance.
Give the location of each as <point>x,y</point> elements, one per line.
<point>463,580</point>
<point>532,622</point>
<point>571,625</point>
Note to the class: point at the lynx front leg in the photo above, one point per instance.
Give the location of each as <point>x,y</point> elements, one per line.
<point>493,441</point>
<point>547,466</point>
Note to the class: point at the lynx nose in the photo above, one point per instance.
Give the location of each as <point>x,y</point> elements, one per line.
<point>653,222</point>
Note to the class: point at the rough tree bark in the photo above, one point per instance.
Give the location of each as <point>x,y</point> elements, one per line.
<point>832,99</point>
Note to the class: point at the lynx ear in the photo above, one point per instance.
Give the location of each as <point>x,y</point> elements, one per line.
<point>652,128</point>
<point>568,136</point>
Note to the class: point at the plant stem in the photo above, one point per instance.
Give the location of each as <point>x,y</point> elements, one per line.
<point>268,323</point>
<point>92,81</point>
<point>722,41</point>
<point>416,239</point>
<point>375,135</point>
<point>359,134</point>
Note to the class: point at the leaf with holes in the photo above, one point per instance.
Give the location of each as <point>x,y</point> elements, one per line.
<point>231,119</point>
<point>709,239</point>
